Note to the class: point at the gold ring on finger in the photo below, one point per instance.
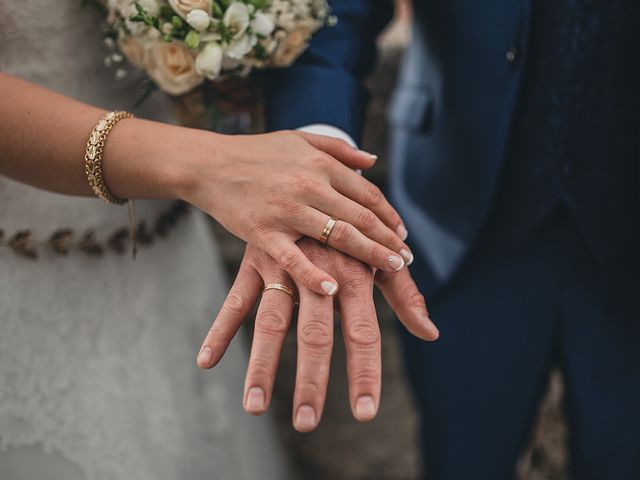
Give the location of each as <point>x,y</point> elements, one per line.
<point>328,228</point>
<point>283,288</point>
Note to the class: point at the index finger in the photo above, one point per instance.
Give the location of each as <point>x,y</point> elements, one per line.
<point>362,191</point>
<point>341,151</point>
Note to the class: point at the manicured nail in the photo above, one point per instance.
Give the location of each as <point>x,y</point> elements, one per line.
<point>365,408</point>
<point>255,399</point>
<point>329,288</point>
<point>204,357</point>
<point>402,232</point>
<point>407,255</point>
<point>397,263</point>
<point>305,418</point>
<point>370,155</point>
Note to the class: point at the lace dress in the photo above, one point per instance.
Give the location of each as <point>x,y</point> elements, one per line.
<point>97,351</point>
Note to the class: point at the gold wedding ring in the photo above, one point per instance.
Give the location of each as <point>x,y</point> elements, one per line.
<point>283,288</point>
<point>328,228</point>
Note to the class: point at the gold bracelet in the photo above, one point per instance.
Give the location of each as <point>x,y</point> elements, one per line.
<point>93,165</point>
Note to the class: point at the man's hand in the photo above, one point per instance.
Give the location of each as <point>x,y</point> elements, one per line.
<point>359,323</point>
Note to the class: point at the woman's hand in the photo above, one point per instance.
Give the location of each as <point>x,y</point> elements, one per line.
<point>269,190</point>
<point>273,189</point>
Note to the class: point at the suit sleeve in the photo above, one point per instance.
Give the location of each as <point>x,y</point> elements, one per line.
<point>325,85</point>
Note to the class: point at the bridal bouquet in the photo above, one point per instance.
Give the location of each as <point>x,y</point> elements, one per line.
<point>182,43</point>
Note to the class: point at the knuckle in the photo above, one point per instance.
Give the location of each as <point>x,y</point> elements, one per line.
<point>288,260</point>
<point>308,185</point>
<point>416,299</point>
<point>353,287</point>
<point>289,206</point>
<point>272,321</point>
<point>310,386</point>
<point>373,194</point>
<point>234,304</point>
<point>342,233</point>
<point>365,376</point>
<point>362,333</point>
<point>316,335</point>
<point>375,252</point>
<point>260,368</point>
<point>394,217</point>
<point>393,241</point>
<point>366,219</point>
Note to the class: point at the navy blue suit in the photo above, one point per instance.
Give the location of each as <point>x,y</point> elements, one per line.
<point>516,166</point>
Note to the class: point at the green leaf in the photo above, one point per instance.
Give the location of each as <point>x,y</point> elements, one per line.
<point>141,10</point>
<point>167,12</point>
<point>216,10</point>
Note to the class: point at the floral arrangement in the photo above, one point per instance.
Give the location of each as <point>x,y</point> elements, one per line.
<point>182,43</point>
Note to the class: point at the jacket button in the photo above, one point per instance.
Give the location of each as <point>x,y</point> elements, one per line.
<point>512,55</point>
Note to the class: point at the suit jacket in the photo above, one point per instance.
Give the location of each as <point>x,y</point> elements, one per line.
<point>451,114</point>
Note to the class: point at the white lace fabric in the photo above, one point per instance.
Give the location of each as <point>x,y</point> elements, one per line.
<point>97,355</point>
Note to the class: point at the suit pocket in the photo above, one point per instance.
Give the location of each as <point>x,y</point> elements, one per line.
<point>412,109</point>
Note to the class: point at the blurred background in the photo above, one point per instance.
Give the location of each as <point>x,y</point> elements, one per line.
<point>386,449</point>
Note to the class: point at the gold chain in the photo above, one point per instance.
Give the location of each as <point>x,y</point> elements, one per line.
<point>93,162</point>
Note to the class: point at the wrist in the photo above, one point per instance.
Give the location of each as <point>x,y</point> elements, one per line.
<point>151,160</point>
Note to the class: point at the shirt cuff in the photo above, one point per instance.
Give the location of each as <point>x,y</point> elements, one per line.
<point>328,131</point>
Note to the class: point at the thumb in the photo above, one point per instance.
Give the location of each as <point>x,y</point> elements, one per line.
<point>403,296</point>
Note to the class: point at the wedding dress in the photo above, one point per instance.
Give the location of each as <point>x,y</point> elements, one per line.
<point>97,351</point>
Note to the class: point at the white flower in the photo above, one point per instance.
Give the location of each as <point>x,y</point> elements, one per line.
<point>172,67</point>
<point>134,50</point>
<point>183,7</point>
<point>198,19</point>
<point>241,46</point>
<point>238,22</point>
<point>262,24</point>
<point>209,61</point>
<point>236,19</point>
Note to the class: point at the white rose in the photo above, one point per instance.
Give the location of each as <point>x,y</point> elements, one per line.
<point>172,67</point>
<point>241,46</point>
<point>262,24</point>
<point>198,19</point>
<point>183,7</point>
<point>236,19</point>
<point>209,61</point>
<point>133,50</point>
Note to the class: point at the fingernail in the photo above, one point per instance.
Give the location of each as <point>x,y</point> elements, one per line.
<point>329,288</point>
<point>432,328</point>
<point>429,323</point>
<point>407,255</point>
<point>365,408</point>
<point>255,399</point>
<point>397,263</point>
<point>370,155</point>
<point>402,232</point>
<point>204,357</point>
<point>305,418</point>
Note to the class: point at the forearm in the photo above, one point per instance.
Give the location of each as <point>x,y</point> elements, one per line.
<point>43,139</point>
